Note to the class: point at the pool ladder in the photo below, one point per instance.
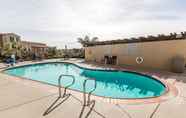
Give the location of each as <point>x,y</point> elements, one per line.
<point>87,102</point>
<point>63,96</point>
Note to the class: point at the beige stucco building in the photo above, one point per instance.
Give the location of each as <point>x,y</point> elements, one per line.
<point>157,54</point>
<point>9,42</point>
<point>8,39</point>
<point>13,41</point>
<point>35,47</point>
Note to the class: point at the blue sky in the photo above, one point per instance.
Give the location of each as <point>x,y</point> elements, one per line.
<point>60,22</point>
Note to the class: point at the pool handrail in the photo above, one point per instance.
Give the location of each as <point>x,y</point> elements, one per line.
<point>88,102</point>
<point>65,87</point>
<point>65,96</point>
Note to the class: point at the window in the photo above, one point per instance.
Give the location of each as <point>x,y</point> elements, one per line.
<point>11,39</point>
<point>17,39</point>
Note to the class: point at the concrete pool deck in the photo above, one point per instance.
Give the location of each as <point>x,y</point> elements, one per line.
<point>21,98</point>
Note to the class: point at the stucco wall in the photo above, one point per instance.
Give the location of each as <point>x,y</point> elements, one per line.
<point>6,40</point>
<point>156,55</point>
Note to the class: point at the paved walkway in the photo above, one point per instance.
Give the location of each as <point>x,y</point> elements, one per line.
<point>21,98</point>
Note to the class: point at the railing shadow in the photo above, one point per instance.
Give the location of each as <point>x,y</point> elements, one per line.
<point>86,101</point>
<point>53,106</point>
<point>64,97</point>
<point>89,112</point>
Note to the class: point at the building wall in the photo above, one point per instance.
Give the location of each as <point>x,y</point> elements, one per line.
<point>26,46</point>
<point>33,47</point>
<point>10,38</point>
<point>1,40</point>
<point>1,44</point>
<point>38,50</point>
<point>156,55</point>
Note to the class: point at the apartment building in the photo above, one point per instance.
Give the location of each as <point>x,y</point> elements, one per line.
<point>10,43</point>
<point>35,47</point>
<point>9,40</point>
<point>13,41</point>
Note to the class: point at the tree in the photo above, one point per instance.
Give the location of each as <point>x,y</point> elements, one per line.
<point>52,52</point>
<point>86,40</point>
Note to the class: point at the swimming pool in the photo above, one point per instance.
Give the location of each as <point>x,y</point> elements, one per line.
<point>114,84</point>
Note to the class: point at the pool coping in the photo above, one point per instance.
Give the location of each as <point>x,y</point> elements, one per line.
<point>164,97</point>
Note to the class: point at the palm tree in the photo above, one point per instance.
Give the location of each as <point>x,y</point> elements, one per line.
<point>87,40</point>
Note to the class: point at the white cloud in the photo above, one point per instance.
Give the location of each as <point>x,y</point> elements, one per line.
<point>60,22</point>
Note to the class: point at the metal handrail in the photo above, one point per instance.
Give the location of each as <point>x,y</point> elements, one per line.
<point>65,88</point>
<point>65,96</point>
<point>88,102</point>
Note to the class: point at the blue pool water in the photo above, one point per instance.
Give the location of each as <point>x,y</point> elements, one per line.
<point>115,84</point>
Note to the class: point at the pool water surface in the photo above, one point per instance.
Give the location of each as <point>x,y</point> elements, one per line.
<point>114,84</point>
